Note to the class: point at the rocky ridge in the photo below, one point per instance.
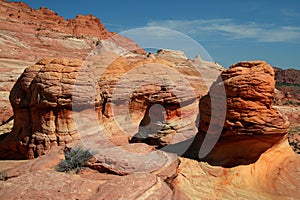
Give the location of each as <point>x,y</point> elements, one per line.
<point>28,35</point>
<point>288,87</point>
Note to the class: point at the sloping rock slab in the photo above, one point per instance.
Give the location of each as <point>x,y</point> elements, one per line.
<point>134,186</point>
<point>135,158</point>
<point>48,184</point>
<point>47,161</point>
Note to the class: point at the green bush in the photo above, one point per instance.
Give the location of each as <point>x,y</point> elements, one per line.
<point>75,159</point>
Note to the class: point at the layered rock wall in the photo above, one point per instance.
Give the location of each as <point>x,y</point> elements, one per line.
<point>247,122</point>
<point>128,97</point>
<point>28,35</point>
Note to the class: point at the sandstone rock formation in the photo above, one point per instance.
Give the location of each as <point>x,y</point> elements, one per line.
<point>28,35</point>
<point>275,175</point>
<point>50,110</point>
<point>116,97</point>
<point>249,124</point>
<point>42,109</point>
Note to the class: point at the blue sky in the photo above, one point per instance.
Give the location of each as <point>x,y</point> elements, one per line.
<point>230,31</point>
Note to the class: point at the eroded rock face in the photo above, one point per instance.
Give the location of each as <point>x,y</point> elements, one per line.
<point>250,124</point>
<point>275,175</point>
<point>114,96</point>
<point>28,35</point>
<point>41,99</point>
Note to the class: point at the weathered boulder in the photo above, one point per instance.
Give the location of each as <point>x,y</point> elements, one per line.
<point>136,158</point>
<point>41,99</point>
<point>248,124</point>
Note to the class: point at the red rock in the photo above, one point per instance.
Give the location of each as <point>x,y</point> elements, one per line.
<point>28,35</point>
<point>251,124</point>
<point>49,110</point>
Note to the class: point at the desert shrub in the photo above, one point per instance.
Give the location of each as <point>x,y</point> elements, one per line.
<point>296,146</point>
<point>3,176</point>
<point>278,84</point>
<point>292,103</point>
<point>294,130</point>
<point>75,160</point>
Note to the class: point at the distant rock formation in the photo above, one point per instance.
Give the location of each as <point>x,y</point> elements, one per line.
<point>28,35</point>
<point>288,87</point>
<point>251,125</point>
<point>289,76</point>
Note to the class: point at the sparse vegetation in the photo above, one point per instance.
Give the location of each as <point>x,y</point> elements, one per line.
<point>291,103</point>
<point>278,84</point>
<point>294,130</point>
<point>3,176</point>
<point>75,160</point>
<point>295,145</point>
<point>294,135</point>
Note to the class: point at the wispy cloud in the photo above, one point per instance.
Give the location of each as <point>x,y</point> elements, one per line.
<point>289,12</point>
<point>228,29</point>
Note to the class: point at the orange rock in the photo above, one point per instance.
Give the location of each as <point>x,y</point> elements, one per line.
<point>28,35</point>
<point>250,125</point>
<point>275,175</point>
<point>50,110</point>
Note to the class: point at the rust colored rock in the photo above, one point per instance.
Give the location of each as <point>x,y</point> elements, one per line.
<point>250,124</point>
<point>28,35</point>
<point>250,91</point>
<point>45,27</point>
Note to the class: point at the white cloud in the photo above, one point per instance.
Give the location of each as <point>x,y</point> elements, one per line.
<point>289,12</point>
<point>228,29</point>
